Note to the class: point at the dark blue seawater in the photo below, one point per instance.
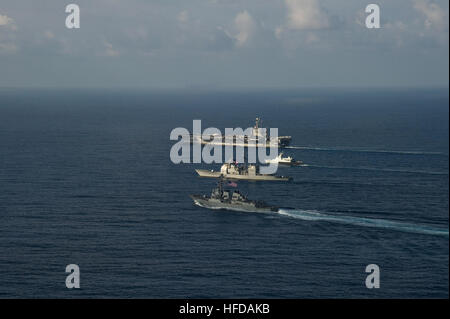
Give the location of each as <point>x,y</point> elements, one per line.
<point>85,178</point>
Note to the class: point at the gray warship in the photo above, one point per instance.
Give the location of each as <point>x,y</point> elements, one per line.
<point>241,172</point>
<point>231,200</point>
<point>245,140</point>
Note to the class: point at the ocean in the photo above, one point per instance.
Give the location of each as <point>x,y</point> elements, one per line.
<point>86,179</point>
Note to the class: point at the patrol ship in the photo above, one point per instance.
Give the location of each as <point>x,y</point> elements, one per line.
<point>244,140</point>
<point>240,172</point>
<point>231,200</point>
<point>289,161</point>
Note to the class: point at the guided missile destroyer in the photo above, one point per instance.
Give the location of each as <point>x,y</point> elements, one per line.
<point>231,200</point>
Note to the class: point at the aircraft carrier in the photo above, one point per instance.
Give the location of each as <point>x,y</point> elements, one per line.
<point>244,140</point>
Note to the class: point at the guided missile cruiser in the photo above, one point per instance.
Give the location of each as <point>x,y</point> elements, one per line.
<point>241,172</point>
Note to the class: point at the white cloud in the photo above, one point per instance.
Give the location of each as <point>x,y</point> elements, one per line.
<point>245,26</point>
<point>5,20</point>
<point>7,48</point>
<point>312,38</point>
<point>49,34</point>
<point>110,51</point>
<point>7,45</point>
<point>303,15</point>
<point>8,22</point>
<point>183,17</point>
<point>435,16</point>
<point>306,15</point>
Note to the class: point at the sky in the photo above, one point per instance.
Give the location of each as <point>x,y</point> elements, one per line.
<point>224,44</point>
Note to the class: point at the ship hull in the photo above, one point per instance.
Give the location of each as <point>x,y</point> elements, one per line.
<point>296,163</point>
<point>282,141</point>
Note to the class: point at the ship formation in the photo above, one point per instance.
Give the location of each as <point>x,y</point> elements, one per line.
<point>230,173</point>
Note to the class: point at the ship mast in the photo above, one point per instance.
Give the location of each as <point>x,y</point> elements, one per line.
<point>256,131</point>
<point>220,185</point>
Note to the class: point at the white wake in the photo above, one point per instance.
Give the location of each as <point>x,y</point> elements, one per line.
<point>311,215</point>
